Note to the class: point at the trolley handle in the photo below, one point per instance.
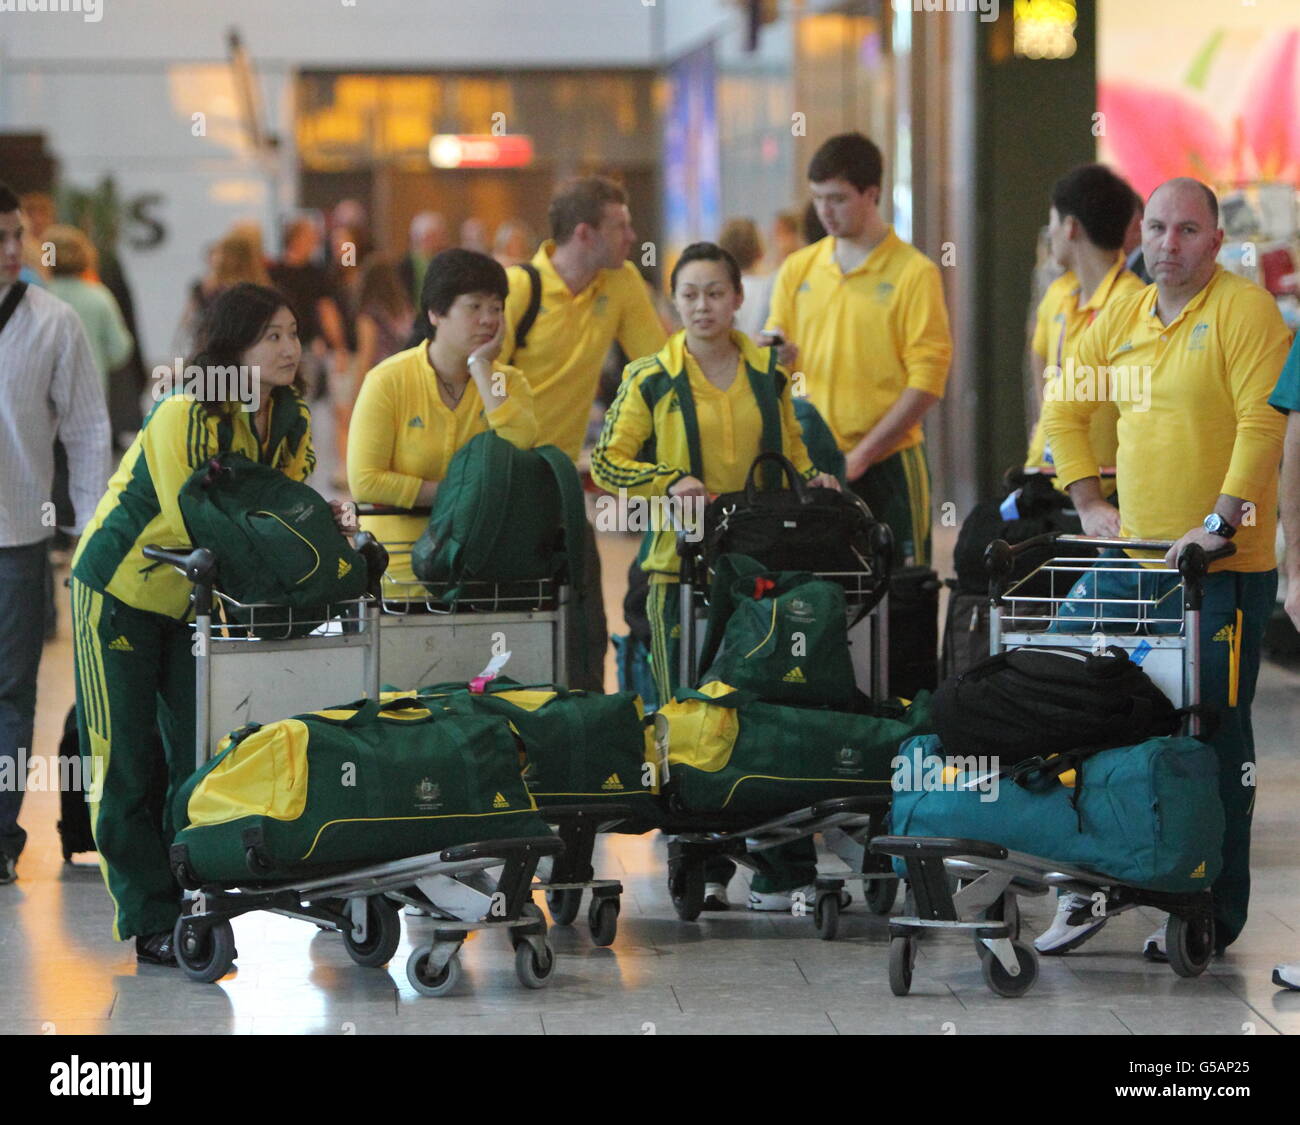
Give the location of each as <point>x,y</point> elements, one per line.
<point>196,563</point>
<point>376,557</point>
<point>999,556</point>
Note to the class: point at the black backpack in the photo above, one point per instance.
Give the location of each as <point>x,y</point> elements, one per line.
<point>1033,702</point>
<point>1043,510</point>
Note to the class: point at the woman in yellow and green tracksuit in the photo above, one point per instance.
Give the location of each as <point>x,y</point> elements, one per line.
<point>648,447</point>
<point>133,647</point>
<point>419,406</point>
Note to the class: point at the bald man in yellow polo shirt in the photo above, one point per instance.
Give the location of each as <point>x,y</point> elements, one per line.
<point>861,314</point>
<point>590,296</point>
<point>1190,362</point>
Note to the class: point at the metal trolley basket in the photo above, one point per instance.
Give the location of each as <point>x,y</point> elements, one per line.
<point>424,638</point>
<point>973,885</point>
<point>243,672</point>
<point>847,823</point>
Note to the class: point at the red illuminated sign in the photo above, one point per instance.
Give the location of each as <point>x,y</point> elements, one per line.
<point>480,150</point>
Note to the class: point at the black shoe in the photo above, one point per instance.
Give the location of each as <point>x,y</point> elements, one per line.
<point>155,949</point>
<point>8,868</point>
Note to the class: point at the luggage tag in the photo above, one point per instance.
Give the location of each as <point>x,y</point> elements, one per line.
<point>490,673</point>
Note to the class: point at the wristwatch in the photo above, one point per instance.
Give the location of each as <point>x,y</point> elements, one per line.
<point>1215,524</point>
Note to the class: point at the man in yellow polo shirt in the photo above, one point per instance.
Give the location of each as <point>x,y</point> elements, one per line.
<point>566,307</point>
<point>1091,211</point>
<point>1190,362</point>
<point>862,316</point>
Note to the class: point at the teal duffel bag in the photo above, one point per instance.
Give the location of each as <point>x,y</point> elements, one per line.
<point>352,785</point>
<point>579,748</point>
<point>725,751</point>
<point>1147,815</point>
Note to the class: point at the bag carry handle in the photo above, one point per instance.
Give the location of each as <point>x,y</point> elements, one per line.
<point>781,461</point>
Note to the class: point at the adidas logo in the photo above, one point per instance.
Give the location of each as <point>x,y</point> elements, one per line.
<point>121,645</point>
<point>1199,873</point>
<point>499,802</point>
<point>1224,634</point>
<point>416,423</point>
<point>794,676</point>
<point>674,405</point>
<point>345,568</point>
<point>613,781</point>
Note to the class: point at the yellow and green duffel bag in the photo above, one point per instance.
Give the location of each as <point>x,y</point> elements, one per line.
<point>358,784</point>
<point>725,751</point>
<point>579,748</point>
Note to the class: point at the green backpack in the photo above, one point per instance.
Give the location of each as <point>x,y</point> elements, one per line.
<point>782,635</point>
<point>356,784</point>
<point>503,514</point>
<point>275,541</point>
<point>580,748</point>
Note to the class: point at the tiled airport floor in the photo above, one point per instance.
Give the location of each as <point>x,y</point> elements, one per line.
<point>60,971</point>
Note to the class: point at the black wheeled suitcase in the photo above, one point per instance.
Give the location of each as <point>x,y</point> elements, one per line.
<point>913,631</point>
<point>74,813</point>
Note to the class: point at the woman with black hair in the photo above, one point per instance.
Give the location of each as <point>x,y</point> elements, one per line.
<point>134,663</point>
<point>703,407</point>
<point>418,407</point>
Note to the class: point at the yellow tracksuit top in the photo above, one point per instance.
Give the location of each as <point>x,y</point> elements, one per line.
<point>1060,321</point>
<point>645,420</point>
<point>866,335</point>
<point>1194,419</point>
<point>141,505</point>
<point>566,347</point>
<point>403,434</point>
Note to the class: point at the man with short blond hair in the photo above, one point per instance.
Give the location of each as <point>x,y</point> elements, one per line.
<point>584,295</point>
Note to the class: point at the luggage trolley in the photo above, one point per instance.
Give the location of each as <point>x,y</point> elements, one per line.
<point>242,676</point>
<point>990,877</point>
<point>423,639</point>
<point>849,822</point>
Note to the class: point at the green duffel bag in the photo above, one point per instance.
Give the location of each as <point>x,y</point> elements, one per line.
<point>353,785</point>
<point>1147,815</point>
<point>725,751</point>
<point>782,635</point>
<point>275,543</point>
<point>579,748</point>
<point>503,515</point>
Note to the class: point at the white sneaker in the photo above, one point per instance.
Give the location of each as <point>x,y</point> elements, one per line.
<point>1064,933</point>
<point>715,897</point>
<point>1287,976</point>
<point>1153,949</point>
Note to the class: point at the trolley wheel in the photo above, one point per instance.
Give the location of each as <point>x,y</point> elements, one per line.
<point>1005,909</point>
<point>826,915</point>
<point>205,953</point>
<point>427,983</point>
<point>383,934</point>
<point>519,934</point>
<point>902,956</point>
<point>532,969</point>
<point>602,918</point>
<point>1188,943</point>
<point>1003,983</point>
<point>880,895</point>
<point>564,905</point>
<point>687,889</point>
